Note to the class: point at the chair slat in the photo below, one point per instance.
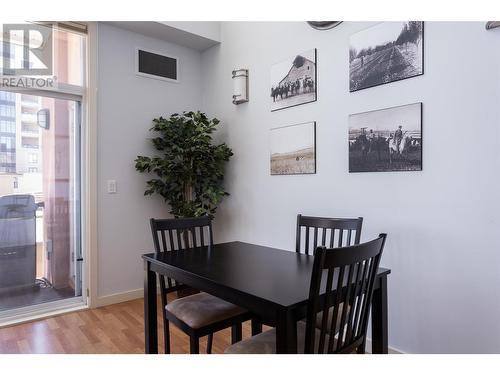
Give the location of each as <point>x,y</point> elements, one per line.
<point>307,241</point>
<point>328,302</point>
<point>338,300</point>
<point>352,301</point>
<point>345,305</point>
<point>163,241</point>
<point>341,237</point>
<point>171,237</point>
<point>202,240</point>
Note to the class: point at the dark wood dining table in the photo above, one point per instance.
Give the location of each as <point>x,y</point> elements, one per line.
<point>271,283</point>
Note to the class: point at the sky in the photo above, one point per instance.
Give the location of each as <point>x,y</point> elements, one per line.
<point>389,119</point>
<point>280,70</point>
<point>292,138</point>
<point>379,34</point>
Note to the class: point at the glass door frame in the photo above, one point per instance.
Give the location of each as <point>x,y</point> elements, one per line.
<point>15,315</point>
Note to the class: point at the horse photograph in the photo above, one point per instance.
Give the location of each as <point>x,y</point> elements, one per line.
<point>386,140</point>
<point>293,81</point>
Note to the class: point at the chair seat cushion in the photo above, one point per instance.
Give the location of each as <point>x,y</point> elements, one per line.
<point>202,309</point>
<point>265,342</point>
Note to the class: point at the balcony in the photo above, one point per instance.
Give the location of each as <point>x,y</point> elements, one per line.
<point>25,255</point>
<point>29,128</point>
<point>30,142</point>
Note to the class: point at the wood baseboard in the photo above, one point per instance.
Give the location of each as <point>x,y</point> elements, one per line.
<point>111,299</point>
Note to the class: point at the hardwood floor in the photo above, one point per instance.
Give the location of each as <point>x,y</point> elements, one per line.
<point>111,329</point>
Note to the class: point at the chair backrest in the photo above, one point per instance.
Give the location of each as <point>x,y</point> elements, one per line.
<point>329,232</point>
<point>179,234</point>
<point>342,283</point>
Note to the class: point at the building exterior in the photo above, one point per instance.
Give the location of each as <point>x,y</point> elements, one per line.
<point>7,132</point>
<point>28,159</point>
<point>302,70</point>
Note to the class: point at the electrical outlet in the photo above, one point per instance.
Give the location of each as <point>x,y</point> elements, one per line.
<point>112,186</point>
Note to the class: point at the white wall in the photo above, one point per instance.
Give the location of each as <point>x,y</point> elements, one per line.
<point>126,106</point>
<point>443,245</point>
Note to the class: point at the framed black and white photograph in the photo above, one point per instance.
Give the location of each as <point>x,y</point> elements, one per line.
<point>386,52</point>
<point>386,140</point>
<point>293,81</point>
<point>293,149</point>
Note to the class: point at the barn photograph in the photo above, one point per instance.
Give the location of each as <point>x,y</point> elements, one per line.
<point>293,81</point>
<point>386,140</point>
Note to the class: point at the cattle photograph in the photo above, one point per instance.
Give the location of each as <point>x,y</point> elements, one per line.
<point>386,52</point>
<point>386,140</point>
<point>293,149</point>
<point>293,81</point>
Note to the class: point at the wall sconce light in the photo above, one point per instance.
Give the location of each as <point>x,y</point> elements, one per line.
<point>492,25</point>
<point>240,86</point>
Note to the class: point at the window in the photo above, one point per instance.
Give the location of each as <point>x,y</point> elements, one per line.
<point>7,126</point>
<point>29,142</point>
<point>7,96</point>
<point>8,110</point>
<point>6,143</point>
<point>33,158</point>
<point>29,127</point>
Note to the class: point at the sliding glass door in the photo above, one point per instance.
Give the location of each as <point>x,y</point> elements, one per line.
<point>40,247</point>
<point>41,255</point>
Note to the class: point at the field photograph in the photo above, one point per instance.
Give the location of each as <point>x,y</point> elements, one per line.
<point>293,149</point>
<point>386,52</point>
<point>386,140</point>
<point>293,81</point>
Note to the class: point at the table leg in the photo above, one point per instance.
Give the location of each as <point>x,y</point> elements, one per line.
<point>236,333</point>
<point>286,333</point>
<point>256,326</point>
<point>380,343</point>
<point>150,313</point>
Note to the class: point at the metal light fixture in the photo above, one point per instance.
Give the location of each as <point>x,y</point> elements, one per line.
<point>492,24</point>
<point>240,86</point>
<point>323,25</point>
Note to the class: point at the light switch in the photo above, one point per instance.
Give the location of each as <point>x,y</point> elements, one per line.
<point>111,186</point>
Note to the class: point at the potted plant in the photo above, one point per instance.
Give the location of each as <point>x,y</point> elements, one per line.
<point>189,168</point>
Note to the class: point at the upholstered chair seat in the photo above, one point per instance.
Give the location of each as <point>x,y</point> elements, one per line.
<point>265,343</point>
<point>202,309</point>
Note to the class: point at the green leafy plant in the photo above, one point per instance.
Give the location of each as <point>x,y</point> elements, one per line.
<point>189,168</point>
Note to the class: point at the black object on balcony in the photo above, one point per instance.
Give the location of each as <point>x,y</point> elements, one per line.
<point>17,241</point>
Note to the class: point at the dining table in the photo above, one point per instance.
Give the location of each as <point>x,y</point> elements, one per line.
<point>273,284</point>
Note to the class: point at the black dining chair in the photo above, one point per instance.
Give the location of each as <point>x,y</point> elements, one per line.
<point>325,231</point>
<point>199,314</point>
<point>340,277</point>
